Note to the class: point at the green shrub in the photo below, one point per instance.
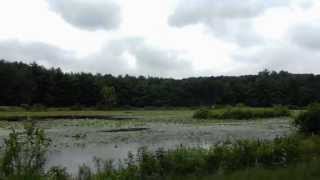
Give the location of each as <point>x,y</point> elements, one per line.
<point>309,121</point>
<point>242,113</point>
<point>201,114</point>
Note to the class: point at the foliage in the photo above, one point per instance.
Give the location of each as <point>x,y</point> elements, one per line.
<point>29,84</point>
<point>201,114</point>
<point>109,97</point>
<point>309,121</point>
<point>24,154</point>
<point>242,113</point>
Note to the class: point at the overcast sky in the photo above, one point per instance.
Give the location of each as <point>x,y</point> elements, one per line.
<point>166,38</point>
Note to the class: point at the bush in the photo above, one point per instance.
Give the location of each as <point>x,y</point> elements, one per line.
<point>309,121</point>
<point>242,113</point>
<point>201,114</point>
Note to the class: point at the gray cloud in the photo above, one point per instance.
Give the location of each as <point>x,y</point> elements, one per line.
<point>49,55</point>
<point>240,31</point>
<point>87,14</point>
<point>230,19</point>
<point>152,61</point>
<point>148,60</point>
<point>161,62</point>
<point>29,52</point>
<point>306,35</point>
<point>278,56</point>
<point>207,11</point>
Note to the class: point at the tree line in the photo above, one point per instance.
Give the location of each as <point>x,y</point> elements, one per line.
<point>32,84</point>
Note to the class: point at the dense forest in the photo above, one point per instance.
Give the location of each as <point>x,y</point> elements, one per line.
<point>30,84</point>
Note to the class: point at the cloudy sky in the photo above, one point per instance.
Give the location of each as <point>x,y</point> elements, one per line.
<point>167,38</point>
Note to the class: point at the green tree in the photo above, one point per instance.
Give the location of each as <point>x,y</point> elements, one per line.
<point>109,97</point>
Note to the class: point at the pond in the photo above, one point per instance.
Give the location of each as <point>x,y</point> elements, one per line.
<point>78,142</point>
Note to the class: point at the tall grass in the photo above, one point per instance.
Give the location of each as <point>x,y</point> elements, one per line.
<point>23,156</point>
<point>220,160</point>
<point>241,113</point>
<point>301,171</point>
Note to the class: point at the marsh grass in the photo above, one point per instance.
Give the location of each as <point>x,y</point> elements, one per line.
<point>301,171</point>
<point>24,154</point>
<point>225,160</point>
<point>241,113</point>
